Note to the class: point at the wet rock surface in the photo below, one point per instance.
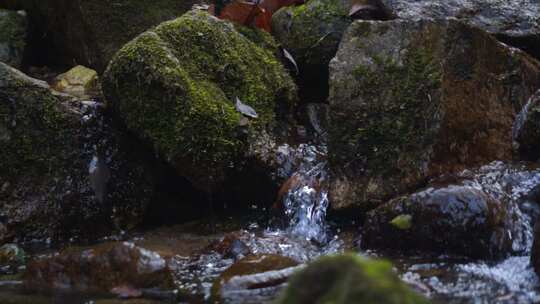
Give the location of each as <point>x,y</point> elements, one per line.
<point>483,213</point>
<point>63,172</point>
<point>515,22</point>
<point>453,219</point>
<point>13,37</point>
<point>258,277</point>
<point>348,279</point>
<point>176,87</point>
<point>100,268</point>
<point>401,107</point>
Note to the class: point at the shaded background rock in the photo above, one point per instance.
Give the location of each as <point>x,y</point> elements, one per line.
<point>516,22</point>
<point>65,169</point>
<point>67,32</point>
<point>413,99</point>
<point>348,278</point>
<point>13,37</point>
<point>175,87</point>
<point>311,33</point>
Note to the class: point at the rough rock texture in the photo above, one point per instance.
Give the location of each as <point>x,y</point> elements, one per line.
<point>13,35</point>
<point>526,132</point>
<point>63,172</point>
<point>516,22</point>
<point>100,269</point>
<point>176,86</point>
<point>453,219</point>
<point>89,32</point>
<point>348,279</point>
<point>413,99</point>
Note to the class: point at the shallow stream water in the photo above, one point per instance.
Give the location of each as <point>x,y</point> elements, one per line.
<point>304,232</point>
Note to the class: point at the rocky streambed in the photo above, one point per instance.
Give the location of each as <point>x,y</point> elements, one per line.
<point>362,152</point>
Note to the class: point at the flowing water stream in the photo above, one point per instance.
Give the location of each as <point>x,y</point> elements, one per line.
<point>303,233</point>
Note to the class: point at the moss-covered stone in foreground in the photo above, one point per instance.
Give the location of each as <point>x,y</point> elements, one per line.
<point>176,86</point>
<point>348,278</point>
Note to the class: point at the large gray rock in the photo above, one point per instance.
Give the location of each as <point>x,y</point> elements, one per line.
<point>410,100</point>
<point>513,21</point>
<point>63,172</point>
<point>13,36</point>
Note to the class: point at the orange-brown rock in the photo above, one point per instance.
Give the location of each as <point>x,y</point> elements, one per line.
<point>410,100</point>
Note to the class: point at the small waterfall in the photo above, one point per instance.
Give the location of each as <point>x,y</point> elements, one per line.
<point>304,197</point>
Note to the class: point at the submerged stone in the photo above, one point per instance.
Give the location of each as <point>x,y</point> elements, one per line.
<point>348,278</point>
<point>410,100</point>
<point>101,268</point>
<point>256,277</point>
<point>176,85</point>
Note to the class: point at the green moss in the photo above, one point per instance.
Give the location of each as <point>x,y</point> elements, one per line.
<point>397,126</point>
<point>176,85</point>
<point>37,130</point>
<point>348,278</point>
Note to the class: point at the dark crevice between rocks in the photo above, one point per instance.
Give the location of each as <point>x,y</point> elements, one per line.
<point>529,44</point>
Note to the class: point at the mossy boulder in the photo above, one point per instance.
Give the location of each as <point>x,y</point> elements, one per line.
<point>177,87</point>
<point>453,219</point>
<point>100,269</point>
<point>526,132</point>
<point>348,278</point>
<point>13,36</point>
<point>90,32</point>
<point>410,100</point>
<point>64,172</point>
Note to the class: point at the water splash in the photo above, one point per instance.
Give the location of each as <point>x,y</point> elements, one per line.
<point>306,200</point>
<point>522,117</point>
<point>509,183</point>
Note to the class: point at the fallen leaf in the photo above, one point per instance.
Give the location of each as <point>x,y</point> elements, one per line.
<point>245,109</point>
<point>291,59</point>
<point>241,12</point>
<point>257,14</point>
